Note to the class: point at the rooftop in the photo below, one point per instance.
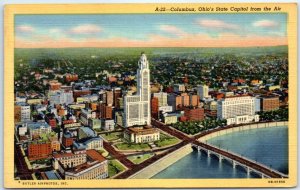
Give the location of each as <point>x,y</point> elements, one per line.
<point>142,130</point>
<point>95,155</point>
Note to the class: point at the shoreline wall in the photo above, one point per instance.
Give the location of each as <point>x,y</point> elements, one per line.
<point>162,163</point>
<point>243,128</point>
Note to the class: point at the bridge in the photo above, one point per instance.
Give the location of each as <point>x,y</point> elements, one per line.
<point>237,160</point>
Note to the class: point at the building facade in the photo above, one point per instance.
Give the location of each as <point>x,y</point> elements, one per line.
<point>203,91</point>
<point>137,107</point>
<point>141,134</point>
<point>269,103</point>
<point>237,109</point>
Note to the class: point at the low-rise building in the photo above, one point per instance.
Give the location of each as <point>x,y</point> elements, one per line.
<point>86,114</point>
<point>85,132</point>
<point>95,123</point>
<point>39,150</point>
<point>35,129</point>
<point>269,103</point>
<point>141,134</point>
<point>194,114</point>
<point>69,159</point>
<point>170,118</point>
<point>24,111</point>
<point>108,124</point>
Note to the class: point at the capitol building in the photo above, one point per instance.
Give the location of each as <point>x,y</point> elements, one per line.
<point>137,107</point>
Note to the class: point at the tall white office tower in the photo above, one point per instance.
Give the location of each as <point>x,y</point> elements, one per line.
<point>137,107</point>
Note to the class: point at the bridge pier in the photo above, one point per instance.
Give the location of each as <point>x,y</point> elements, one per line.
<point>233,164</point>
<point>220,158</point>
<point>248,171</point>
<point>208,153</point>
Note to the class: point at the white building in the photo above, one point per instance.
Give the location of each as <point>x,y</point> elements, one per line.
<point>37,128</point>
<point>137,107</point>
<point>25,111</point>
<point>108,124</point>
<point>86,114</point>
<point>162,98</point>
<point>237,110</point>
<point>141,134</point>
<point>61,97</point>
<point>202,91</point>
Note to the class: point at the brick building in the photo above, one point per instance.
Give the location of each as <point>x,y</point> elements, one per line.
<point>39,150</point>
<point>194,114</point>
<point>269,103</point>
<point>154,107</point>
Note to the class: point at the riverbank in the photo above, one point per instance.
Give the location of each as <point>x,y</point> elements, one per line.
<point>242,128</point>
<point>163,163</point>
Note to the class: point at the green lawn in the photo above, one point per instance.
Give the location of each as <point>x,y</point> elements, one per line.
<point>140,158</point>
<point>112,136</point>
<point>166,140</point>
<point>132,146</point>
<point>114,167</point>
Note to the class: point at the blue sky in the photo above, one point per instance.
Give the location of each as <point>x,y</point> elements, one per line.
<point>142,27</point>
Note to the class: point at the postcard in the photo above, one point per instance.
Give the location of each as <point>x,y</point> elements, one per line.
<point>150,95</point>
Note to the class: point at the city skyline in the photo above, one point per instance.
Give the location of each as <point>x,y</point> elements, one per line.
<point>149,30</point>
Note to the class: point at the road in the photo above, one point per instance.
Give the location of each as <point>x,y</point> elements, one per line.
<point>22,170</point>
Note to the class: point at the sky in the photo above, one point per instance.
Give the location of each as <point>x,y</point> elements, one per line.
<point>150,30</point>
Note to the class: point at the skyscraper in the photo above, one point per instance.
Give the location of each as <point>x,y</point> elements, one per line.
<point>137,107</point>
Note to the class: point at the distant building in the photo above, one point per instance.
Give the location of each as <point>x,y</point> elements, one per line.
<point>154,107</point>
<point>119,118</point>
<point>106,112</point>
<point>162,98</point>
<point>86,114</point>
<point>35,129</point>
<point>23,110</point>
<point>137,107</point>
<point>237,110</point>
<point>269,103</point>
<point>108,124</point>
<point>170,118</point>
<point>17,113</point>
<point>51,120</point>
<point>91,143</point>
<point>54,85</point>
<point>141,134</point>
<point>194,100</point>
<point>117,95</point>
<point>61,97</point>
<point>202,91</point>
<point>95,123</point>
<point>109,98</point>
<point>257,104</point>
<point>68,139</point>
<point>178,88</point>
<point>194,114</point>
<point>86,132</point>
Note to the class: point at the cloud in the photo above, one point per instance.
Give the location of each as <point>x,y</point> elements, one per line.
<point>86,29</point>
<point>55,30</point>
<point>266,24</point>
<point>172,30</point>
<point>216,24</point>
<point>189,40</point>
<point>25,28</point>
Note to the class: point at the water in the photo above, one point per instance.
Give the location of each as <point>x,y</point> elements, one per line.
<point>268,146</point>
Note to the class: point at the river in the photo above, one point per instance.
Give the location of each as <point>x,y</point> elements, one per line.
<point>268,146</point>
